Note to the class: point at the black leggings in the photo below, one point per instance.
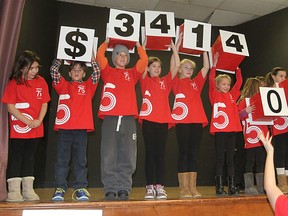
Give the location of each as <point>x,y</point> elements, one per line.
<point>155,136</point>
<point>281,150</point>
<point>189,137</point>
<point>255,156</point>
<point>21,157</point>
<point>225,142</point>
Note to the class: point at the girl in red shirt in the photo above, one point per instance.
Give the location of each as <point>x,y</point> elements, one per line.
<point>189,116</point>
<point>255,152</point>
<point>276,78</point>
<point>155,117</point>
<point>26,96</point>
<point>225,123</point>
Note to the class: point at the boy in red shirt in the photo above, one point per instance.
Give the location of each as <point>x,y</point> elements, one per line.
<point>74,119</point>
<point>118,109</point>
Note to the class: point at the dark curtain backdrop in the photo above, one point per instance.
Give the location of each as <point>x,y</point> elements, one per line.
<point>10,22</point>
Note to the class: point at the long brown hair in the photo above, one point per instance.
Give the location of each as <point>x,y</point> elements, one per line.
<point>24,60</point>
<point>269,79</point>
<point>250,88</point>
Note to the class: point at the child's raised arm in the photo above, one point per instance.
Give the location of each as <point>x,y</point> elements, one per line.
<point>96,69</point>
<point>54,71</point>
<point>100,57</point>
<point>239,79</point>
<point>175,60</point>
<point>143,58</point>
<point>206,65</point>
<point>272,191</point>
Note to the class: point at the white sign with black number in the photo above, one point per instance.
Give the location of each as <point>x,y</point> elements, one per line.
<point>197,35</point>
<point>62,212</point>
<point>234,43</point>
<point>159,23</point>
<point>75,44</point>
<point>124,25</point>
<point>273,101</point>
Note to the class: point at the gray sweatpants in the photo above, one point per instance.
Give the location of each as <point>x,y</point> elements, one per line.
<point>118,153</point>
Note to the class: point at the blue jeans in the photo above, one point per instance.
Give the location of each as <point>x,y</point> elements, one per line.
<point>71,143</point>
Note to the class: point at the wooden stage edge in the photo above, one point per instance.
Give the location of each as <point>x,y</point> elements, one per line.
<point>208,204</point>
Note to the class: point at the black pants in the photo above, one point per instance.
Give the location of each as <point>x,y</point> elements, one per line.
<point>189,137</point>
<point>21,157</point>
<point>255,156</point>
<point>281,150</point>
<point>225,142</point>
<point>155,137</point>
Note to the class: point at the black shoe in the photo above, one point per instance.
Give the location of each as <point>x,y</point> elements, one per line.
<point>123,195</point>
<point>110,196</point>
<point>232,190</point>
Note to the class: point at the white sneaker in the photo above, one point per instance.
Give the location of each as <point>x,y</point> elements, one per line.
<point>151,193</point>
<point>160,192</point>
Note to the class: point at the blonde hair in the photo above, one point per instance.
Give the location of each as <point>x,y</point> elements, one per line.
<point>190,61</point>
<point>250,88</point>
<point>219,78</point>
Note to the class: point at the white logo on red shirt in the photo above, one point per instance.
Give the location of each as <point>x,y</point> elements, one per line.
<point>162,84</point>
<point>39,93</point>
<point>126,75</point>
<point>81,89</point>
<point>194,86</point>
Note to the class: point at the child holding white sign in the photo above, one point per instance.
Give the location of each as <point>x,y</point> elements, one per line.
<point>118,109</point>
<point>255,152</point>
<point>74,119</point>
<point>155,119</point>
<point>280,132</point>
<point>225,123</point>
<point>189,117</point>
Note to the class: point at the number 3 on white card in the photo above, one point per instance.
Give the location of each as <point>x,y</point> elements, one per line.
<point>124,25</point>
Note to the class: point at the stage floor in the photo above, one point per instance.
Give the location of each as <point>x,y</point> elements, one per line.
<point>208,204</point>
<point>97,194</point>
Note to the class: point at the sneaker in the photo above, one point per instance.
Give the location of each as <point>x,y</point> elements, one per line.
<point>123,195</point>
<point>160,192</point>
<point>151,193</point>
<point>110,196</point>
<point>81,194</point>
<point>58,194</point>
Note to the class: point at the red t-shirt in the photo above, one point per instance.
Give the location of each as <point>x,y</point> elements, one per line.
<point>74,110</point>
<point>118,94</point>
<point>280,126</point>
<point>225,116</point>
<point>188,107</point>
<point>155,104</point>
<point>251,131</point>
<point>281,206</point>
<point>28,100</point>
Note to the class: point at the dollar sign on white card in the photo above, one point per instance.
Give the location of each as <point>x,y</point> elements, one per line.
<point>72,38</point>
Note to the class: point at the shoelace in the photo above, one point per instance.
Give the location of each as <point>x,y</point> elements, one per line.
<point>81,189</point>
<point>161,191</point>
<point>150,191</point>
<point>59,190</point>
